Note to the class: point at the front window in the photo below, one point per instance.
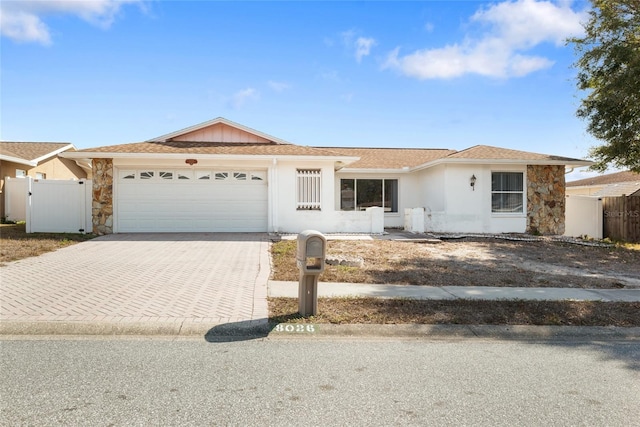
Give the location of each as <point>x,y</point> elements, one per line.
<point>41,175</point>
<point>21,173</point>
<point>507,192</point>
<point>360,194</point>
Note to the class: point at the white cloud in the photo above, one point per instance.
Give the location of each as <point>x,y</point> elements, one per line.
<point>278,86</point>
<point>513,28</point>
<point>527,23</point>
<point>23,21</point>
<point>240,98</point>
<point>361,46</point>
<point>24,27</point>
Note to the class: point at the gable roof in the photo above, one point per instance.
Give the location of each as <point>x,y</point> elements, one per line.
<point>31,153</point>
<point>222,137</point>
<point>216,138</point>
<point>219,122</point>
<point>612,178</point>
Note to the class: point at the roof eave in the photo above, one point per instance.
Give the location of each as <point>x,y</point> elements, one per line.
<point>568,162</point>
<point>376,170</point>
<point>179,156</point>
<point>18,160</point>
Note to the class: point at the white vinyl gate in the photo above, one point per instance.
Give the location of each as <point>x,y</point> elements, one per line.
<point>50,206</point>
<point>583,216</point>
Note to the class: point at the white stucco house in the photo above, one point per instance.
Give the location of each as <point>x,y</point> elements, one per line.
<point>220,176</point>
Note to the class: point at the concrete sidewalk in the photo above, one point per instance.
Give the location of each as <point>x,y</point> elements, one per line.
<point>290,290</point>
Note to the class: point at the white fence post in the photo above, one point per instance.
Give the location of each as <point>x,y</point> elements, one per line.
<point>28,216</point>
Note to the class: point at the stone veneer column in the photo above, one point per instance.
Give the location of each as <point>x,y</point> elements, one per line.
<point>545,199</point>
<point>102,203</point>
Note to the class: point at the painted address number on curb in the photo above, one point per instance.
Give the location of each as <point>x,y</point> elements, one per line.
<point>287,327</point>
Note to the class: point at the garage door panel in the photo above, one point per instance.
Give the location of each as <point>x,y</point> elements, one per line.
<point>159,205</point>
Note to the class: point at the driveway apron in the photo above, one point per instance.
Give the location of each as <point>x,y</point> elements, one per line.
<point>202,277</point>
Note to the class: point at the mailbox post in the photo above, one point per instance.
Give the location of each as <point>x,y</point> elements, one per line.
<point>311,254</point>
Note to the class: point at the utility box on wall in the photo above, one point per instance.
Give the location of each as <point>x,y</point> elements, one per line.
<point>414,220</point>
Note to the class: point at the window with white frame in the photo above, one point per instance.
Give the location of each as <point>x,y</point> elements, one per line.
<point>360,194</point>
<point>507,192</point>
<point>41,175</point>
<point>308,189</point>
<point>21,173</point>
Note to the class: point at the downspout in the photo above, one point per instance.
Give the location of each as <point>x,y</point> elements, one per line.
<point>273,195</point>
<point>84,166</point>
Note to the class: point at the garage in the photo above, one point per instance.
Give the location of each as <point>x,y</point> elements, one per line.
<point>198,200</point>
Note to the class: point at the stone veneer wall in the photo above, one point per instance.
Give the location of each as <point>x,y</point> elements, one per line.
<point>545,199</point>
<point>102,203</point>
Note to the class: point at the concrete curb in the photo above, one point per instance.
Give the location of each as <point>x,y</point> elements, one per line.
<point>262,329</point>
<point>516,332</point>
<point>177,328</point>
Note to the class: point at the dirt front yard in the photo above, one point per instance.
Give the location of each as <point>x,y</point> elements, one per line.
<point>16,244</point>
<point>472,262</point>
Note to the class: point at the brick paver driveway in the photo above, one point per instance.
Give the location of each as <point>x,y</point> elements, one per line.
<point>201,277</point>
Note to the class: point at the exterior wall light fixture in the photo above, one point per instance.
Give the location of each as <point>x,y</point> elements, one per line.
<point>473,182</point>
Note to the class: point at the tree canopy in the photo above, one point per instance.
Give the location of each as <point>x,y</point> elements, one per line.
<point>609,71</point>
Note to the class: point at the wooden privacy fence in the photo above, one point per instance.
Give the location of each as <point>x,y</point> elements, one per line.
<point>622,218</point>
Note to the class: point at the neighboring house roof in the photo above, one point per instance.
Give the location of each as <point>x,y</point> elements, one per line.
<point>618,189</point>
<point>612,178</point>
<point>31,153</point>
<point>610,185</point>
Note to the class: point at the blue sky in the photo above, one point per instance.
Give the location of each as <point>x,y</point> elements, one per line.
<point>430,74</point>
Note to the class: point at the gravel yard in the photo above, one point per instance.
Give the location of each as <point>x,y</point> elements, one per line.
<point>472,262</point>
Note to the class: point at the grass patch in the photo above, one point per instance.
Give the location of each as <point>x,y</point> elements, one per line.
<point>16,244</point>
<point>631,246</point>
<point>460,312</point>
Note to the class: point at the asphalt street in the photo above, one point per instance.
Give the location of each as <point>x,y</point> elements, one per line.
<point>309,381</point>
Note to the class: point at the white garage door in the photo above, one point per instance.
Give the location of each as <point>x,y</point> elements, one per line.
<point>172,200</point>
